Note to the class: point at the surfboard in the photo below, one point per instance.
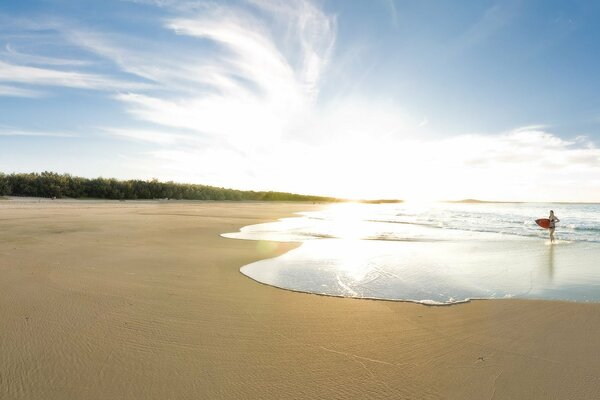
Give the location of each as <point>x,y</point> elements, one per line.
<point>543,222</point>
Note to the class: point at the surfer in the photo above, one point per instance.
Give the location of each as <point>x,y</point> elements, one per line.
<point>553,221</point>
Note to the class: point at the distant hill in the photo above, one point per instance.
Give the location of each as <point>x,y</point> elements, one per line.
<point>382,201</point>
<point>53,185</point>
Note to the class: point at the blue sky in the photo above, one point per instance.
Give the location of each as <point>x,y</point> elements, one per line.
<point>408,99</point>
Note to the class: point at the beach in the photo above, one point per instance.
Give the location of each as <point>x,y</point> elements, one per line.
<point>145,300</point>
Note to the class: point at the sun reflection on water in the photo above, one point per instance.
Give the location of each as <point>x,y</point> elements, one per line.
<point>348,221</point>
<point>396,252</point>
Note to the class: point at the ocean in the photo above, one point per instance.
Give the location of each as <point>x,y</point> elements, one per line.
<point>436,253</point>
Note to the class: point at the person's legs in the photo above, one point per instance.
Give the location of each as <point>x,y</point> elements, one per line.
<point>551,235</point>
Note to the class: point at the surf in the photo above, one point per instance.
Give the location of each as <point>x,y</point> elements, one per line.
<point>461,252</point>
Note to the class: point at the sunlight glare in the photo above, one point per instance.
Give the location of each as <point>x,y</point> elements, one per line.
<point>347,221</point>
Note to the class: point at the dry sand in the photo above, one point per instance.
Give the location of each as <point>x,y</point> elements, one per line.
<point>113,300</point>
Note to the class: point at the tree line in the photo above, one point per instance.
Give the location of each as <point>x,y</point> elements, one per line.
<point>53,185</point>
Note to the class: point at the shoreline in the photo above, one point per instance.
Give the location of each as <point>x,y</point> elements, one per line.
<point>423,303</point>
<point>111,302</point>
<point>493,268</point>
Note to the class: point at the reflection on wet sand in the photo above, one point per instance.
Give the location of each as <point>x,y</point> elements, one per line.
<point>551,262</point>
<point>434,272</point>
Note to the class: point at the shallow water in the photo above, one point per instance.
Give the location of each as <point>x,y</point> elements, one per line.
<point>436,254</point>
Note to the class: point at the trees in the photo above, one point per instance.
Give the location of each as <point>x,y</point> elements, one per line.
<point>5,188</point>
<point>51,184</point>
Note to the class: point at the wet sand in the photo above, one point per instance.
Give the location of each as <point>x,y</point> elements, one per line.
<point>144,300</point>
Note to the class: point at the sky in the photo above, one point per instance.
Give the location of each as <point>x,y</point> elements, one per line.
<point>436,100</point>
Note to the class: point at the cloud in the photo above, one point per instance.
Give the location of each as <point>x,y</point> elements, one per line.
<point>524,164</point>
<point>22,58</point>
<point>253,56</point>
<point>155,136</point>
<point>4,131</point>
<point>46,36</point>
<point>309,32</point>
<point>14,91</point>
<point>178,5</point>
<point>138,56</point>
<point>245,81</point>
<point>51,77</point>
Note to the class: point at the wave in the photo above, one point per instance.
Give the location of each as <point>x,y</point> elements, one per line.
<point>521,228</point>
<point>515,222</point>
<point>584,228</point>
<point>403,222</point>
<point>383,237</point>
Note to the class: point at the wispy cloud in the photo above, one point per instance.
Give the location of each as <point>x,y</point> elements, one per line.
<point>50,77</point>
<point>37,66</point>
<point>10,53</point>
<point>255,82</point>
<point>17,132</point>
<point>155,136</point>
<point>176,5</point>
<point>14,91</point>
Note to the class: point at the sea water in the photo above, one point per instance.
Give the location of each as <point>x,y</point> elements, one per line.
<point>438,253</point>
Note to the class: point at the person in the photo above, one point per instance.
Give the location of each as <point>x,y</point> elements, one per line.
<point>553,221</point>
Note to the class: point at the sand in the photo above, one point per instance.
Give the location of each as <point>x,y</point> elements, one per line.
<point>144,300</point>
